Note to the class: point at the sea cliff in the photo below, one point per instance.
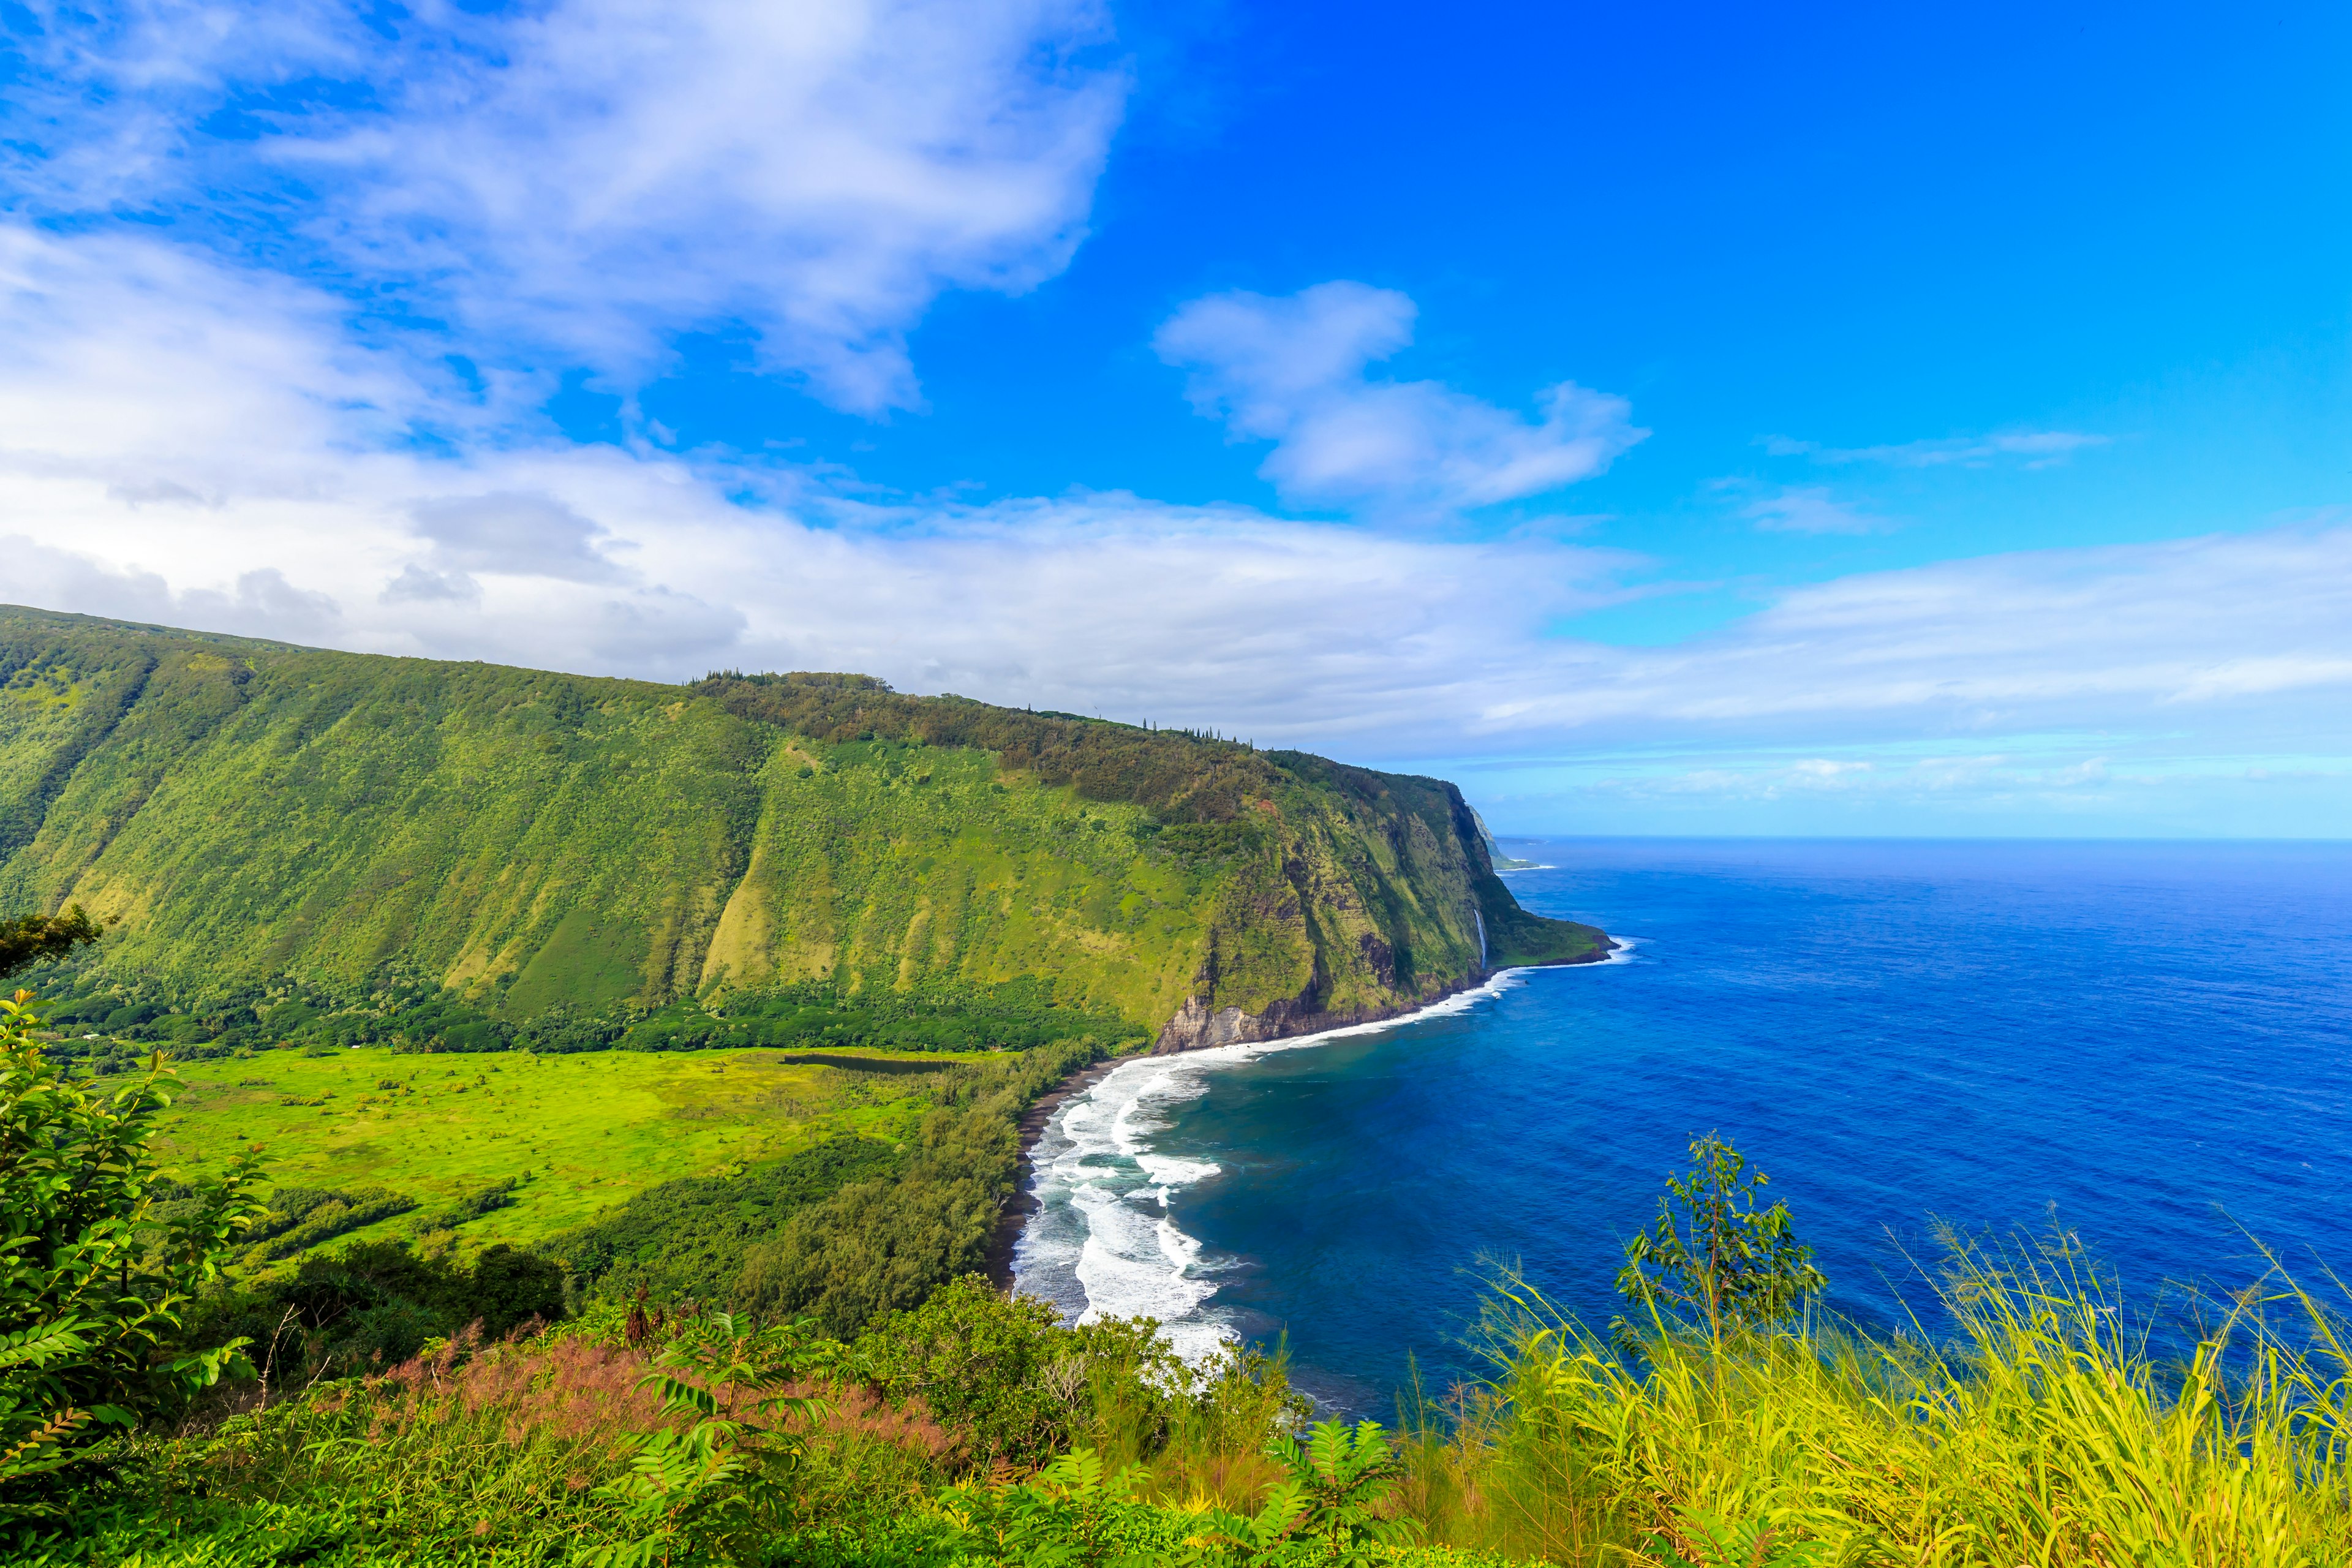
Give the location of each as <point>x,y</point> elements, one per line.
<point>251,811</point>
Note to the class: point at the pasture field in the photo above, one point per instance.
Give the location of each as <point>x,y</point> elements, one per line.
<point>576,1133</point>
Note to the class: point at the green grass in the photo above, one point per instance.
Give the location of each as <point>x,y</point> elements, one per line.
<point>2040,1424</point>
<point>576,1133</point>
<point>2041,1430</point>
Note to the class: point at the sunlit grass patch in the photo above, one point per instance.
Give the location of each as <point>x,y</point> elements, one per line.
<point>575,1133</point>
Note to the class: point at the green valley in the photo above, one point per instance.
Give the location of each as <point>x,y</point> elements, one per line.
<point>398,1023</point>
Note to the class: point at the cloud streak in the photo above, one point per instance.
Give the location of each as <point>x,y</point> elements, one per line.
<point>2027,449</point>
<point>1800,509</point>
<point>1294,633</point>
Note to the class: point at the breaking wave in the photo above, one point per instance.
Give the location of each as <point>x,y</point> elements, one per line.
<point>1103,1241</point>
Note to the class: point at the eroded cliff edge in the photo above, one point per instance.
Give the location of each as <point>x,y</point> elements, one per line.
<point>1443,851</point>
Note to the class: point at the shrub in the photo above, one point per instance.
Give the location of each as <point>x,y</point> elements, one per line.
<point>1713,1261</point>
<point>374,1304</point>
<point>98,1258</point>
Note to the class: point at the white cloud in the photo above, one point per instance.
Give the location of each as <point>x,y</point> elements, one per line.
<point>1801,509</point>
<point>259,602</point>
<point>1292,371</point>
<point>2237,633</point>
<point>423,586</point>
<point>262,602</point>
<point>526,534</point>
<point>125,358</point>
<point>2261,676</point>
<point>133,379</point>
<point>587,177</point>
<point>1825,770</point>
<point>661,626</point>
<point>2031,448</point>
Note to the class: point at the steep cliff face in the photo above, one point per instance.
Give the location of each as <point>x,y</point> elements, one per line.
<point>1395,903</point>
<point>248,809</point>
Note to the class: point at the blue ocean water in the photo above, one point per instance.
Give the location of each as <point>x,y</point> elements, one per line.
<point>2152,1042</point>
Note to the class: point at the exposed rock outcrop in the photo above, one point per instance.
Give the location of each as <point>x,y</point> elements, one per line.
<point>1197,1028</point>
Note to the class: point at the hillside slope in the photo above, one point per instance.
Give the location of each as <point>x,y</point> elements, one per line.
<point>249,810</point>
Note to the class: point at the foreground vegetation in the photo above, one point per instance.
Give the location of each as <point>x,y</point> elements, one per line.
<point>973,1431</point>
<point>2038,1428</point>
<point>153,1411</point>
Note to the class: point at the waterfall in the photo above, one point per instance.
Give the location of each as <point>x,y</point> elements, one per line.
<point>1480,917</point>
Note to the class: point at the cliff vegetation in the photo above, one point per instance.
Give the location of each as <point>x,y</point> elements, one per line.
<point>354,849</point>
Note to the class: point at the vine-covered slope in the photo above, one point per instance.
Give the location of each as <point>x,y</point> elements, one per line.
<point>249,810</point>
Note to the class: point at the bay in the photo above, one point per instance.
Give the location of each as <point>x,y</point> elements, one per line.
<point>2149,1045</point>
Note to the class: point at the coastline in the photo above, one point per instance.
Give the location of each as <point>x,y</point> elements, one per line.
<point>1013,1217</point>
<point>1195,1028</point>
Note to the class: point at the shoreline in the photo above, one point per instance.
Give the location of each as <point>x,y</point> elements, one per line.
<point>1013,1216</point>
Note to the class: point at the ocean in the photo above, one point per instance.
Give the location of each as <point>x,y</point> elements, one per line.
<point>2149,1045</point>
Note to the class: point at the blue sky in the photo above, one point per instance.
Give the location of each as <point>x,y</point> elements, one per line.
<point>1660,420</point>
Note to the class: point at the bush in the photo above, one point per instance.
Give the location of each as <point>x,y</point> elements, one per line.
<point>376,1303</point>
<point>301,1217</point>
<point>99,1260</point>
<point>1002,1368</point>
<point>508,1288</point>
<point>1714,1261</point>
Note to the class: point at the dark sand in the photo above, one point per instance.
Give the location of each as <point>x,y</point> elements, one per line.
<point>1023,1203</point>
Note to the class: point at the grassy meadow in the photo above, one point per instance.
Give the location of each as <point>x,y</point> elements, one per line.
<point>575,1133</point>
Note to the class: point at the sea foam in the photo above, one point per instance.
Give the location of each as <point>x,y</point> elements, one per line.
<point>1103,1241</point>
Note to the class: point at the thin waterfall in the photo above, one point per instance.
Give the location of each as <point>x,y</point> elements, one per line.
<point>1479,915</point>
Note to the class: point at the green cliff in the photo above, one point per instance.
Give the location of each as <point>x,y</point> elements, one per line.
<point>248,811</point>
